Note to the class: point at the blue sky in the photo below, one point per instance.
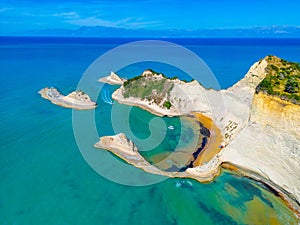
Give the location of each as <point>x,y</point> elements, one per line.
<point>21,15</point>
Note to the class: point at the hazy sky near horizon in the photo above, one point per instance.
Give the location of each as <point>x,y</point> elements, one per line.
<point>22,15</point>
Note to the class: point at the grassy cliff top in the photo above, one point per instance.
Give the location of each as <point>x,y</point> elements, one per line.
<point>151,86</point>
<point>282,80</point>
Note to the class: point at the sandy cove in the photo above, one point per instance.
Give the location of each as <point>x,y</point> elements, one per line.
<point>215,140</point>
<point>258,131</point>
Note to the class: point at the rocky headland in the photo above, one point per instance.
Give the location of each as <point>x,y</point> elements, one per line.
<point>255,122</point>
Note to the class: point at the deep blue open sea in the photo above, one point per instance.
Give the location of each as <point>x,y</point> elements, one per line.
<point>44,179</point>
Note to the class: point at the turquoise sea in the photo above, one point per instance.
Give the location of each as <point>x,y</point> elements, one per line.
<point>46,180</point>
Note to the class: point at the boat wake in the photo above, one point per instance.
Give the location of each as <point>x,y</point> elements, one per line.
<point>105,95</point>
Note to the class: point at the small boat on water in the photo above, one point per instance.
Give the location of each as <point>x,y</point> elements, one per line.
<point>171,127</point>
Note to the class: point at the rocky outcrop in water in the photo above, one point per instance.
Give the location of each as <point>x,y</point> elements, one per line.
<point>112,79</point>
<point>76,99</point>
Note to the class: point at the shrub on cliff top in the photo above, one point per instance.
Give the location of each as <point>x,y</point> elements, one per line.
<point>167,104</point>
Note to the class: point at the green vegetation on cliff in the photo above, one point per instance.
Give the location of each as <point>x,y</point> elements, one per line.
<point>282,80</point>
<point>153,86</point>
<point>167,104</point>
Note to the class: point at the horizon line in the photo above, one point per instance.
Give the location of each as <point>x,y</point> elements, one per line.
<point>112,37</point>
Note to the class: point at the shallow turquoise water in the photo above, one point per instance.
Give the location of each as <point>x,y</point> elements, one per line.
<point>45,180</point>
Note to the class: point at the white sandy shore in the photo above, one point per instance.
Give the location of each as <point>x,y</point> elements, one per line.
<point>76,100</point>
<point>265,140</point>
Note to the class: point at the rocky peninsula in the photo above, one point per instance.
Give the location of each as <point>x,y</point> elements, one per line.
<point>76,100</point>
<point>255,123</point>
<point>124,148</point>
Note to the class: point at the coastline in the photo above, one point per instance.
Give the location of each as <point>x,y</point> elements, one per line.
<point>239,122</point>
<point>204,174</point>
<point>145,105</point>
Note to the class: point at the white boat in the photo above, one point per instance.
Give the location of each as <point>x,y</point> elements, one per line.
<point>171,127</point>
